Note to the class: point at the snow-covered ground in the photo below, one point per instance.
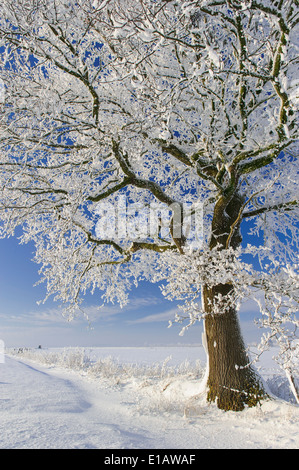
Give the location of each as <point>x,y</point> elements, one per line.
<point>132,398</point>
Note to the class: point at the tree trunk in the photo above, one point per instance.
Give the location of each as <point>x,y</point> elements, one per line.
<point>232,383</point>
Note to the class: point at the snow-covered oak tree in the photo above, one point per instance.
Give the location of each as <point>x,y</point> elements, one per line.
<point>154,103</point>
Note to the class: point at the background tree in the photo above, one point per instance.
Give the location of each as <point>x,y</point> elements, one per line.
<point>182,103</point>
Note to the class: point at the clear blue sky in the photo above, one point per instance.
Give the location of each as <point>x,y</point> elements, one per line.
<point>143,322</point>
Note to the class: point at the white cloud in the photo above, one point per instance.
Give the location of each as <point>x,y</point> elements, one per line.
<point>51,315</point>
<point>156,317</point>
<point>54,315</point>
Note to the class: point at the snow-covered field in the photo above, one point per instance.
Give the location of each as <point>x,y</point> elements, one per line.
<point>132,398</point>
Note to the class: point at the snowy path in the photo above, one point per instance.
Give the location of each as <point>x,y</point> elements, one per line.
<point>41,409</point>
<point>44,407</point>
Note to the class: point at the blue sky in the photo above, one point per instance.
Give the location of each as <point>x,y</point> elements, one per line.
<point>23,322</point>
<point>144,322</point>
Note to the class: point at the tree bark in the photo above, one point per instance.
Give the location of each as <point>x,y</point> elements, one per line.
<point>232,382</point>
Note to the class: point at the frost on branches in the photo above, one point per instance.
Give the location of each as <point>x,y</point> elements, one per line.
<point>167,104</point>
